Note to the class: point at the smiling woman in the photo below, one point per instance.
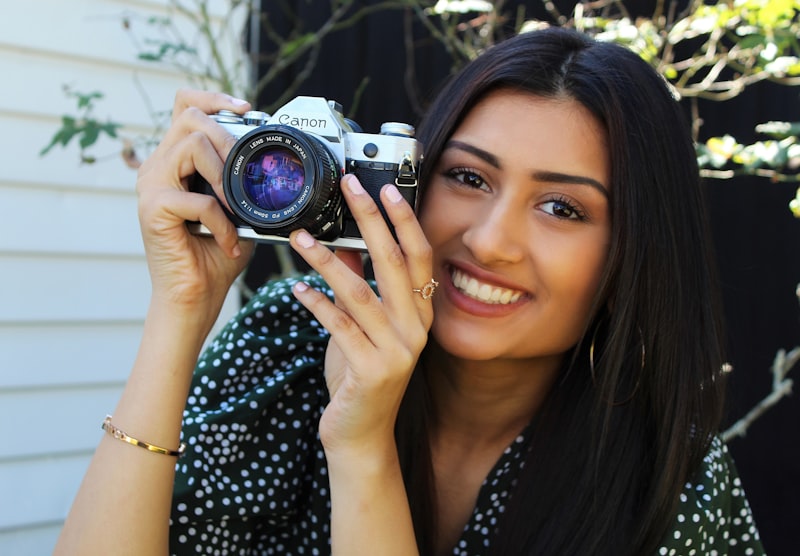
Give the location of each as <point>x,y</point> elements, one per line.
<point>534,370</point>
<point>528,215</point>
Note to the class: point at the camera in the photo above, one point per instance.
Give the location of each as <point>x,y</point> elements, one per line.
<point>284,171</point>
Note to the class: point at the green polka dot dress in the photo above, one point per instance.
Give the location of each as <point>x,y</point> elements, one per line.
<point>254,480</point>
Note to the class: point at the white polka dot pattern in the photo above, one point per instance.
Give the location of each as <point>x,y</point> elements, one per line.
<point>254,480</point>
<point>714,516</point>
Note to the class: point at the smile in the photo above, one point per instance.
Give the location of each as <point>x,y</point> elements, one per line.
<point>483,292</point>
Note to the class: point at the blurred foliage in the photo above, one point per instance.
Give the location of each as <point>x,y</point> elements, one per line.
<point>84,127</point>
<point>708,50</point>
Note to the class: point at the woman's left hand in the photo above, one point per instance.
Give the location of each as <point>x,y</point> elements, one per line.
<point>375,341</point>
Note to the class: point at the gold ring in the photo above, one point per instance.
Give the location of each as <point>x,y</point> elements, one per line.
<point>427,290</point>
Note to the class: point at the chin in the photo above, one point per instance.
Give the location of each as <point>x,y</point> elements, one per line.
<point>472,347</point>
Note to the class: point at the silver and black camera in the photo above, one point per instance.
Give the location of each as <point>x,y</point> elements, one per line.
<point>283,173</point>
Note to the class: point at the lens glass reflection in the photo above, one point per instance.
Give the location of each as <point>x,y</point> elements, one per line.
<point>273,178</point>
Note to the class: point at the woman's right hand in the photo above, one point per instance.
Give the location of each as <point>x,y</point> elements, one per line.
<point>125,498</point>
<point>190,272</point>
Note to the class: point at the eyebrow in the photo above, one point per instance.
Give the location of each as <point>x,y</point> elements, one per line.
<point>539,175</point>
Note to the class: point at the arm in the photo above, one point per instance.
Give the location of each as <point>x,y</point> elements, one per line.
<point>123,503</point>
<point>374,347</point>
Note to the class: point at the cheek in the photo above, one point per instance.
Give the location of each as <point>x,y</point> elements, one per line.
<point>430,214</point>
<point>580,275</point>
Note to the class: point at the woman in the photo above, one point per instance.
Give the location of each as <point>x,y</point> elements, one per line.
<point>564,399</point>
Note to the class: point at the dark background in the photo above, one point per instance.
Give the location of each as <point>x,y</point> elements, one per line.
<point>757,238</point>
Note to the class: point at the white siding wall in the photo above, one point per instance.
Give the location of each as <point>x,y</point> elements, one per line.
<point>73,280</point>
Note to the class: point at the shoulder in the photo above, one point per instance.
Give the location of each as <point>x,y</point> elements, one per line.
<point>714,516</point>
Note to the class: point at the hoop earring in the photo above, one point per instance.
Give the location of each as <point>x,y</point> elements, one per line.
<point>638,376</point>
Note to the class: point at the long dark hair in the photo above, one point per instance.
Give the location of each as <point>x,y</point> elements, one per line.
<point>617,438</point>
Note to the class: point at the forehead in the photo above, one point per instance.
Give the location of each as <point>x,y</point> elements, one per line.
<point>524,130</point>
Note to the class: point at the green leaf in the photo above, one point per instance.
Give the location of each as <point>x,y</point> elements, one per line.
<point>90,134</point>
<point>752,41</point>
<point>110,129</point>
<point>159,21</point>
<point>86,100</point>
<point>165,50</point>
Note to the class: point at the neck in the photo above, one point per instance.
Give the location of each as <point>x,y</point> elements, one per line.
<point>486,401</point>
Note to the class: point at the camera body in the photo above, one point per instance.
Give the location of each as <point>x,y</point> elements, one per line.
<point>284,171</point>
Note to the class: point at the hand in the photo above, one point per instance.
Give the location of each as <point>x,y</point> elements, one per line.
<point>375,342</point>
<point>186,270</point>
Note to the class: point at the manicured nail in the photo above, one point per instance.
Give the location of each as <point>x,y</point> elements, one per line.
<point>300,287</point>
<point>304,239</point>
<point>393,194</point>
<point>354,185</point>
<point>238,101</point>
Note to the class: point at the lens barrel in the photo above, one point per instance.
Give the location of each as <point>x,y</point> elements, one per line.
<point>278,179</point>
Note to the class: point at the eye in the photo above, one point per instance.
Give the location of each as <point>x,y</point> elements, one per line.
<point>467,177</point>
<point>563,208</point>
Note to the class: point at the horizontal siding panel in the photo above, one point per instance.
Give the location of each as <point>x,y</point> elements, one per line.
<point>92,30</point>
<point>82,28</point>
<point>77,413</point>
<point>76,354</point>
<point>129,93</point>
<point>77,222</point>
<point>72,289</point>
<point>41,490</point>
<point>74,286</point>
<point>61,167</point>
<point>30,541</point>
<point>72,355</point>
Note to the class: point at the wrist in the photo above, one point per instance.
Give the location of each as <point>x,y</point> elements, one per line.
<point>364,459</point>
<point>193,316</point>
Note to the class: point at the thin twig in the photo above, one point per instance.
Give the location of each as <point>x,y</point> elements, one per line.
<point>781,387</point>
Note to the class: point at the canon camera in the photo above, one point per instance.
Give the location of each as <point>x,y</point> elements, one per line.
<point>283,173</point>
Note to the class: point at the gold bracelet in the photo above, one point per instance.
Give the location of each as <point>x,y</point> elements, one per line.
<point>120,435</point>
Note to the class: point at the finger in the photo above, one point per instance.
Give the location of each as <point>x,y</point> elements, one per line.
<point>400,264</point>
<point>368,359</point>
<point>165,209</point>
<point>415,246</point>
<point>195,153</point>
<point>352,259</point>
<point>208,102</point>
<point>344,328</point>
<point>194,120</point>
<point>354,296</point>
<point>195,207</point>
<point>164,203</point>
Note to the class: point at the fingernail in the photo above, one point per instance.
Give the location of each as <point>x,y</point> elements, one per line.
<point>300,287</point>
<point>393,194</point>
<point>354,185</point>
<point>236,252</point>
<point>238,101</point>
<point>304,239</point>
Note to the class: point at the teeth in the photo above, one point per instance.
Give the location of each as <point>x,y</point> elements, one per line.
<point>483,292</point>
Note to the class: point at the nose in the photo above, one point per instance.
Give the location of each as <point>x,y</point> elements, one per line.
<point>499,235</point>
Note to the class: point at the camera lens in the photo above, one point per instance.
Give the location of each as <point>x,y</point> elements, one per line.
<point>274,178</point>
<point>278,179</point>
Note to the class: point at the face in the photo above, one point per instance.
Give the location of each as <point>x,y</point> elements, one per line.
<point>517,213</point>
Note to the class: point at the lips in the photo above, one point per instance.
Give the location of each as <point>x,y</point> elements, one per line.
<point>483,292</point>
